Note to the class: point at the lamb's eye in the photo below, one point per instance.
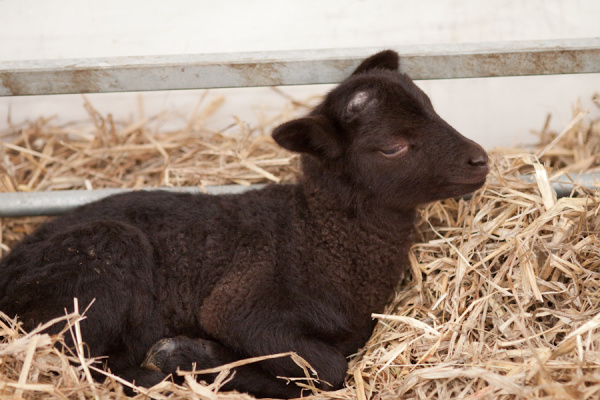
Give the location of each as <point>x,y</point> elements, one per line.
<point>395,151</point>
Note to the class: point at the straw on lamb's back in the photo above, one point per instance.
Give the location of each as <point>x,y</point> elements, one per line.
<point>183,279</point>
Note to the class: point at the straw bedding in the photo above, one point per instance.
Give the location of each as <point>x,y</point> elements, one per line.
<point>501,300</point>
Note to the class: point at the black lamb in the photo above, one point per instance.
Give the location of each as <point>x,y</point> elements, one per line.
<point>181,279</point>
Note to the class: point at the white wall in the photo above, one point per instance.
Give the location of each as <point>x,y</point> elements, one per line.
<point>493,111</point>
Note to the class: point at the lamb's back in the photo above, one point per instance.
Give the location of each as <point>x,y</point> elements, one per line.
<point>195,240</point>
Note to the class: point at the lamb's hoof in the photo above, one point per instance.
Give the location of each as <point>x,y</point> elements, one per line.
<point>157,356</point>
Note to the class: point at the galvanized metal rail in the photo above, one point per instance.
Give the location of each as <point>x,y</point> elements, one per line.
<point>119,74</point>
<point>21,204</point>
<point>25,204</point>
<point>17,78</point>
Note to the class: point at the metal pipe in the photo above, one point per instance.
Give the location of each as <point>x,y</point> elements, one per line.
<point>21,204</point>
<point>168,72</point>
<point>57,202</point>
<point>564,184</point>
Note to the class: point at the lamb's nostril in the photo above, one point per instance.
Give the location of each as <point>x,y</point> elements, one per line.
<point>479,160</point>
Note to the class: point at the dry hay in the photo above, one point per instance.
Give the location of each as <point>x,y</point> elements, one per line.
<point>501,300</point>
<point>104,153</point>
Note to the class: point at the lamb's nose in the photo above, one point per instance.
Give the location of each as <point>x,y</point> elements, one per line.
<point>479,160</point>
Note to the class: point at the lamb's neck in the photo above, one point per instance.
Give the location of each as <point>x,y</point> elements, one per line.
<point>356,212</point>
<point>360,252</point>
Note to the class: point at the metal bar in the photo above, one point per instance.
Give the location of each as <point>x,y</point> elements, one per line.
<point>563,185</point>
<point>119,74</point>
<point>21,204</point>
<point>57,202</point>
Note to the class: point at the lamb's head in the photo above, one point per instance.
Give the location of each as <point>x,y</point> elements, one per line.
<point>378,134</point>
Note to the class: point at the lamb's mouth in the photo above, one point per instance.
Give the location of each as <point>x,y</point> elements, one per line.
<point>463,187</point>
<point>475,178</point>
<point>468,182</point>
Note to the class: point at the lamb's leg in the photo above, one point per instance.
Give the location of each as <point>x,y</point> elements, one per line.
<point>245,314</point>
<point>108,263</point>
<point>186,354</point>
<point>328,362</point>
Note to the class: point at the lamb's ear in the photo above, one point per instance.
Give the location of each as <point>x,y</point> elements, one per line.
<point>313,135</point>
<point>387,59</point>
